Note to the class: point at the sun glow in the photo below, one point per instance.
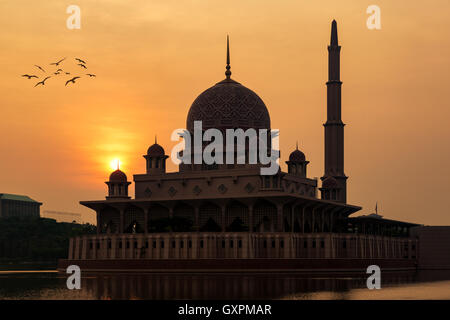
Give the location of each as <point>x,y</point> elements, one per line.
<point>115,164</point>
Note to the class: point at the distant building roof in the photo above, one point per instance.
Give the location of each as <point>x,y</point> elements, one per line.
<point>379,218</point>
<point>16,197</point>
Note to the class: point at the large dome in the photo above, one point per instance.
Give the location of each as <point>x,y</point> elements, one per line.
<point>228,104</point>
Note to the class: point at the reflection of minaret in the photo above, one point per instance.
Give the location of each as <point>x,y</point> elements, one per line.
<point>334,181</point>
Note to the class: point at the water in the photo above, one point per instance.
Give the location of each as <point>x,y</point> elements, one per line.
<point>52,285</point>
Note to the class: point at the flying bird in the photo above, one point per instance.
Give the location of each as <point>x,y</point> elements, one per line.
<point>72,80</point>
<point>59,70</point>
<point>58,62</point>
<point>39,68</point>
<point>82,65</point>
<point>56,73</point>
<point>29,76</point>
<point>67,72</point>
<point>42,82</point>
<point>80,61</point>
<point>90,75</point>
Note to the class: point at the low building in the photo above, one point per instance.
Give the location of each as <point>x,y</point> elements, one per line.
<point>13,205</point>
<point>434,246</point>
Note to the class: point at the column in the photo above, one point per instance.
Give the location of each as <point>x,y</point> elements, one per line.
<point>113,246</point>
<point>98,221</point>
<point>250,218</point>
<point>279,218</point>
<point>194,238</point>
<point>331,221</point>
<point>140,247</point>
<point>303,219</point>
<point>71,242</point>
<point>121,220</point>
<point>146,213</point>
<point>292,217</point>
<point>78,243</point>
<point>124,247</point>
<point>322,222</point>
<point>166,246</point>
<point>223,222</point>
<point>84,248</point>
<point>245,246</point>
<point>196,226</point>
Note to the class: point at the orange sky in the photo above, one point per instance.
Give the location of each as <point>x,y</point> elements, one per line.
<point>153,58</point>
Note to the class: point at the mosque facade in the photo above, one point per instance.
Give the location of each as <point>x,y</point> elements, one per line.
<point>225,212</point>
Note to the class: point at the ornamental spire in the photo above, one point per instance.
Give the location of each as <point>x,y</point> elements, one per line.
<point>334,35</point>
<point>228,72</point>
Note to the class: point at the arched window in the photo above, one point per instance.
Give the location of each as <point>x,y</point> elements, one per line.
<point>158,219</point>
<point>209,218</point>
<point>109,220</point>
<point>236,217</point>
<point>264,217</point>
<point>183,218</point>
<point>133,220</point>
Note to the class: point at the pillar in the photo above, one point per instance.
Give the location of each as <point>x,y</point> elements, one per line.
<point>113,246</point>
<point>223,222</point>
<point>292,218</point>
<point>121,220</point>
<point>279,218</point>
<point>78,243</point>
<point>71,242</point>
<point>250,218</point>
<point>303,219</point>
<point>84,248</point>
<point>196,218</point>
<point>98,221</point>
<point>146,213</point>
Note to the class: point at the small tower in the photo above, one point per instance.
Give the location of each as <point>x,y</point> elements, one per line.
<point>156,159</point>
<point>118,185</point>
<point>297,163</point>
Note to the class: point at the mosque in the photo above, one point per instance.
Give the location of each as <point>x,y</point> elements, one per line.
<point>223,216</point>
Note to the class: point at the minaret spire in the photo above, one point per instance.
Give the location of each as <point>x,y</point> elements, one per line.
<point>334,35</point>
<point>228,72</point>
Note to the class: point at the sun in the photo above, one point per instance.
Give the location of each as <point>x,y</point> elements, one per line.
<point>115,164</point>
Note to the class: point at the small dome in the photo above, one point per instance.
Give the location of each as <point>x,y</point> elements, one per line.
<point>155,150</point>
<point>297,156</point>
<point>329,183</point>
<point>118,176</point>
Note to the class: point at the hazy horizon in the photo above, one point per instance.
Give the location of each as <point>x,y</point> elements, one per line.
<point>153,59</point>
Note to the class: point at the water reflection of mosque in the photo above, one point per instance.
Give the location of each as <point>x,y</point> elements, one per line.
<point>226,286</point>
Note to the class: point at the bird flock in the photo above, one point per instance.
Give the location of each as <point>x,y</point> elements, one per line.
<point>80,63</point>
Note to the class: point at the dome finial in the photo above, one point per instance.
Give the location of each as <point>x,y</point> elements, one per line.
<point>228,72</point>
<point>156,139</point>
<point>296,145</point>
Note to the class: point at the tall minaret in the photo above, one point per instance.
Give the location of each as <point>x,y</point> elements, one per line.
<point>334,180</point>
